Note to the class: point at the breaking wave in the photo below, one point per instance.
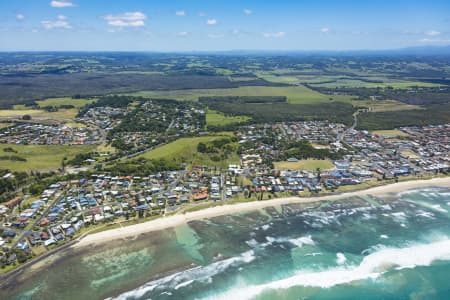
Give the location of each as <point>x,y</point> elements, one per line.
<point>185,278</point>
<point>371,267</point>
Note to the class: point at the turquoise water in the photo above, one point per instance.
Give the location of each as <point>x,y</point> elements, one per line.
<point>390,247</point>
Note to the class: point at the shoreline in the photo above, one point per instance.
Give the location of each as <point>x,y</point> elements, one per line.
<point>227,209</point>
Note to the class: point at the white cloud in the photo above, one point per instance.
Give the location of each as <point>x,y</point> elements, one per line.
<point>276,35</point>
<point>215,36</point>
<point>202,14</point>
<point>432,33</point>
<point>182,34</point>
<point>211,22</point>
<point>435,41</point>
<point>248,11</point>
<point>180,13</point>
<point>128,19</point>
<point>61,22</point>
<point>20,17</point>
<point>325,30</point>
<point>61,3</point>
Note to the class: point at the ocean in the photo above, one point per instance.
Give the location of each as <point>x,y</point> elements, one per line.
<point>395,246</point>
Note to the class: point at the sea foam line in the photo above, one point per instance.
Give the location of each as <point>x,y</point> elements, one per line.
<point>371,267</point>
<point>187,277</point>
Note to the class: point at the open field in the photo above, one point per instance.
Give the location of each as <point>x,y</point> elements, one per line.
<point>277,78</point>
<point>355,83</point>
<point>103,148</point>
<point>76,124</point>
<point>410,154</point>
<point>295,94</point>
<point>57,102</point>
<point>39,114</point>
<point>18,113</point>
<point>41,157</point>
<point>77,103</point>
<point>390,133</point>
<point>62,114</point>
<point>185,150</point>
<point>306,164</point>
<point>215,118</point>
<point>6,125</point>
<point>385,105</point>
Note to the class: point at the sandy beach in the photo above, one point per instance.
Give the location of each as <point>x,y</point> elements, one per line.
<point>175,220</point>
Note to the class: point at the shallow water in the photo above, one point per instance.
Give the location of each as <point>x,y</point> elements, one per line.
<point>390,247</point>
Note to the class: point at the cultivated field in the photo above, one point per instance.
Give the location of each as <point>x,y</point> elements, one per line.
<point>295,94</point>
<point>355,83</point>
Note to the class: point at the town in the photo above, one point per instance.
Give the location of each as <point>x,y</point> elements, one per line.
<point>276,160</point>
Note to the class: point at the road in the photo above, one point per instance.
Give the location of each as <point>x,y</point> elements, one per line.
<point>26,233</point>
<point>340,136</point>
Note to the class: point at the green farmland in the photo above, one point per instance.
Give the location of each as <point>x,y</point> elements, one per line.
<point>295,94</point>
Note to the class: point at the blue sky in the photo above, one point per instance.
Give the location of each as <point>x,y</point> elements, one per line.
<point>200,25</point>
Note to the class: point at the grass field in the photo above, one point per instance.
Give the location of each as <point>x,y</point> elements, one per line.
<point>75,124</point>
<point>384,105</point>
<point>6,125</point>
<point>184,150</point>
<point>64,101</point>
<point>215,118</point>
<point>390,133</point>
<point>355,83</point>
<point>18,113</point>
<point>57,102</point>
<point>103,148</point>
<point>306,164</point>
<point>410,154</point>
<point>277,78</point>
<point>295,94</point>
<point>40,157</point>
<point>38,114</point>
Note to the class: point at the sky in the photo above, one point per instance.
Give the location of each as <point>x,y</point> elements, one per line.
<point>221,25</point>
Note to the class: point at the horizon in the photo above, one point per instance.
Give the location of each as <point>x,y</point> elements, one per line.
<point>418,50</point>
<point>199,26</point>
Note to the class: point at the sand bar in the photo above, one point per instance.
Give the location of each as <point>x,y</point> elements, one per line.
<point>175,220</point>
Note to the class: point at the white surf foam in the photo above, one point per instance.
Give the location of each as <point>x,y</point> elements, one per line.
<point>425,214</point>
<point>340,258</point>
<point>304,240</point>
<point>371,267</point>
<point>183,284</point>
<point>187,277</point>
<point>265,227</point>
<point>399,216</point>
